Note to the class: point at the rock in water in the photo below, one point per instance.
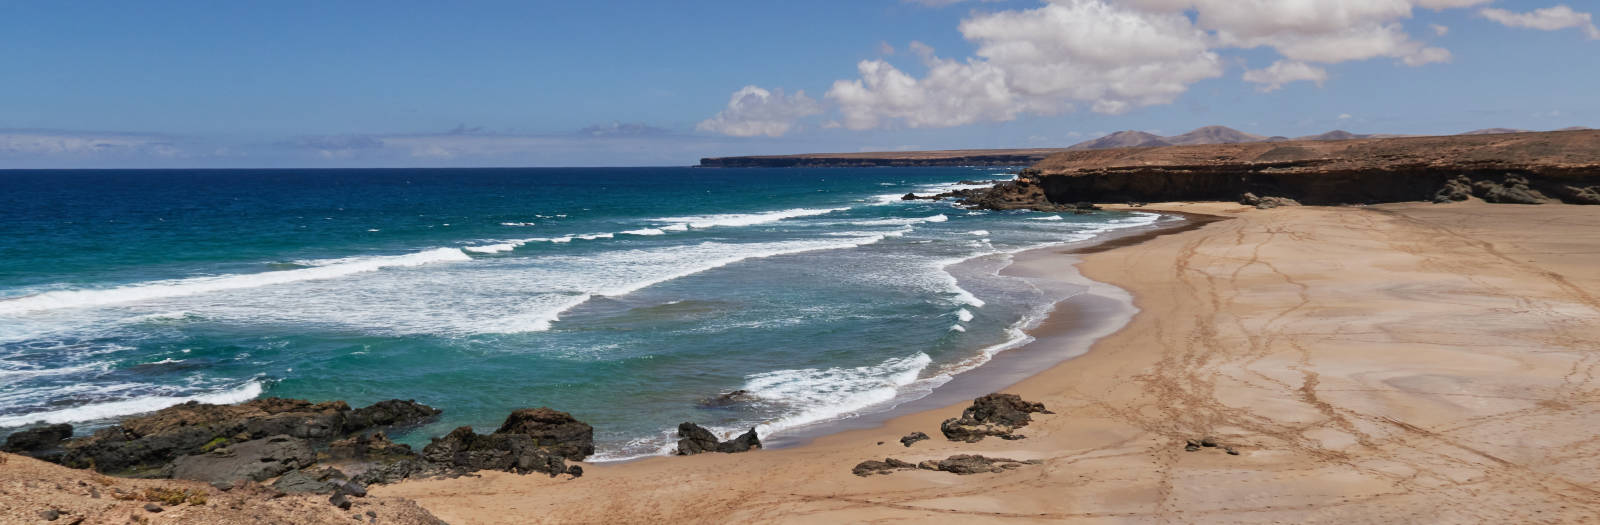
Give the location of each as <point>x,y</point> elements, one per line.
<point>694,439</point>
<point>728,399</point>
<point>991,415</point>
<point>42,442</point>
<point>254,460</point>
<point>913,438</point>
<point>554,430</point>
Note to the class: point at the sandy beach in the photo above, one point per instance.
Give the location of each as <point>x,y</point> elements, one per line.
<point>1392,363</point>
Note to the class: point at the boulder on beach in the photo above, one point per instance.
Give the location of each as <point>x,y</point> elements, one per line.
<point>463,450</point>
<point>913,438</point>
<point>695,439</point>
<point>996,415</point>
<point>888,465</point>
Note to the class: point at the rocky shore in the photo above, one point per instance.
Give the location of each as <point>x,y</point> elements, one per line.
<point>899,159</point>
<point>1521,168</point>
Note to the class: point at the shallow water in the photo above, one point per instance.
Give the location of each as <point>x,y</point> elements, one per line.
<point>624,296</point>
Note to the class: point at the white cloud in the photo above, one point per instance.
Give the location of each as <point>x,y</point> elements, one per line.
<point>1284,72</point>
<point>43,143</point>
<point>1113,56</point>
<point>1345,116</point>
<point>755,111</point>
<point>1439,29</point>
<point>885,49</point>
<point>1042,61</point>
<point>1547,19</point>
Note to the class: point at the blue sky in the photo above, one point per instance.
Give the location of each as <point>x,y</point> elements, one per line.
<point>366,84</point>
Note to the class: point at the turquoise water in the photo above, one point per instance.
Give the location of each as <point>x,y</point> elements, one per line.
<point>624,296</point>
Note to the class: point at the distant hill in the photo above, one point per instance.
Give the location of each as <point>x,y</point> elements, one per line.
<point>1123,139</point>
<point>1205,135</point>
<point>1496,131</point>
<point>1214,135</point>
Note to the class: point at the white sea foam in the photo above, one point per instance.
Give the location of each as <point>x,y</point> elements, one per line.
<point>978,232</point>
<point>743,219</point>
<point>646,231</point>
<point>199,285</point>
<point>494,248</point>
<point>903,222</point>
<point>517,224</point>
<point>1046,218</point>
<point>964,315</point>
<point>957,328</point>
<point>818,395</point>
<point>138,405</point>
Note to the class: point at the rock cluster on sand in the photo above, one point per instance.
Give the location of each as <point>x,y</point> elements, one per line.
<point>960,464</point>
<point>1266,203</point>
<point>531,440</point>
<point>913,438</point>
<point>997,415</point>
<point>695,439</point>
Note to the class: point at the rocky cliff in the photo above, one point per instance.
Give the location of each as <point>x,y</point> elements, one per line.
<point>1530,168</point>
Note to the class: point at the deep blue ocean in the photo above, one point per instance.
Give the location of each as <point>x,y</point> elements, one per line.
<point>625,296</point>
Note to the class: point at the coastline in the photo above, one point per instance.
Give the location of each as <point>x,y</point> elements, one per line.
<point>1394,363</point>
<point>1066,329</point>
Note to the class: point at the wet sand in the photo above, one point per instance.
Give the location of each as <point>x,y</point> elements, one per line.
<point>1394,363</point>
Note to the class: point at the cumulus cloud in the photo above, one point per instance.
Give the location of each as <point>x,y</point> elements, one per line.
<point>1284,72</point>
<point>1439,29</point>
<point>1547,19</point>
<point>1112,56</point>
<point>1042,61</point>
<point>754,111</point>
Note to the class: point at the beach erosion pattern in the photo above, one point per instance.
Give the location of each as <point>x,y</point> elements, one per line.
<point>625,296</point>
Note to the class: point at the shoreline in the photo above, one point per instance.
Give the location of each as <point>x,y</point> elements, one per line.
<point>1066,330</point>
<point>1409,362</point>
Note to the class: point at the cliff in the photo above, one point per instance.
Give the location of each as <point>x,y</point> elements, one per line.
<point>972,157</point>
<point>1525,168</point>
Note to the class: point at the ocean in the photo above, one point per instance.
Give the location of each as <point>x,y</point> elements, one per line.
<point>626,296</point>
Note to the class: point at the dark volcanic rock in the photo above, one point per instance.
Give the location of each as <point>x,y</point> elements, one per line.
<point>304,481</point>
<point>1266,203</point>
<point>364,446</point>
<point>888,465</point>
<point>554,430</point>
<point>991,415</point>
<point>389,413</point>
<point>1454,190</point>
<point>254,460</point>
<point>463,450</point>
<point>40,442</point>
<point>1513,190</point>
<point>1581,195</point>
<point>728,399</point>
<point>965,464</point>
<point>143,444</point>
<point>694,439</point>
<point>913,438</point>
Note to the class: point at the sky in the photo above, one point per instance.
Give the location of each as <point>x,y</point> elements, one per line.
<point>294,84</point>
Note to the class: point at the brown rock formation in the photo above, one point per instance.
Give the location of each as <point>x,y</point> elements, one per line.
<point>1520,168</point>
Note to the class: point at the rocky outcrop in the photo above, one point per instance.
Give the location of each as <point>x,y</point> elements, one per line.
<point>43,442</point>
<point>144,445</point>
<point>960,464</point>
<point>530,440</point>
<point>997,415</point>
<point>253,460</point>
<point>695,439</point>
<point>966,464</point>
<point>553,430</point>
<point>1524,168</point>
<point>887,466</point>
<point>1266,203</point>
<point>913,438</point>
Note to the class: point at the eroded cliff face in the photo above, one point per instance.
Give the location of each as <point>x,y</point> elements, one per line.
<point>1527,168</point>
